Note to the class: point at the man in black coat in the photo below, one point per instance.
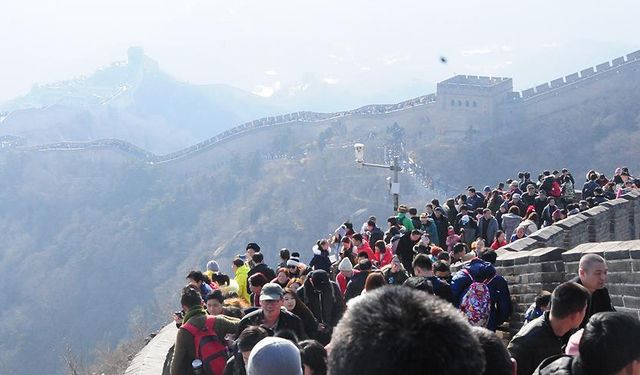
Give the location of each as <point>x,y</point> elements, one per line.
<point>442,226</point>
<point>546,335</point>
<point>323,297</point>
<point>592,274</point>
<point>404,250</point>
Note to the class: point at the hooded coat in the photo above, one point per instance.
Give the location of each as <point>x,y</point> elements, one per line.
<point>322,297</point>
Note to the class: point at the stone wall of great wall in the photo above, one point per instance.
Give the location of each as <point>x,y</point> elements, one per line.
<point>550,256</point>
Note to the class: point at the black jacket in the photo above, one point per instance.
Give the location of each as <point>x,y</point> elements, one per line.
<point>376,235</point>
<point>442,226</point>
<point>600,301</point>
<point>356,285</point>
<point>326,305</point>
<point>442,289</point>
<point>404,251</point>
<point>561,365</point>
<point>286,321</point>
<point>534,342</point>
<point>262,268</point>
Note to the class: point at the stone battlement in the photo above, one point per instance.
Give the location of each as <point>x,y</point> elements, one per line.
<point>591,73</point>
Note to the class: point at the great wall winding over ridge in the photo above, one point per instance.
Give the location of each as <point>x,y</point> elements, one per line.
<point>483,100</point>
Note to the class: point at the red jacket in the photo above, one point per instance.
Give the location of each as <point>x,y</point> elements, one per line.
<point>365,247</point>
<point>383,259</point>
<point>342,281</point>
<point>496,245</point>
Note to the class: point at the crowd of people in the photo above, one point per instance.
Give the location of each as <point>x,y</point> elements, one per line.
<point>371,301</point>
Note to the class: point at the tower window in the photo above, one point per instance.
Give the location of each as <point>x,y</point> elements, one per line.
<point>453,102</point>
<point>474,104</point>
<point>466,103</point>
<point>459,103</point>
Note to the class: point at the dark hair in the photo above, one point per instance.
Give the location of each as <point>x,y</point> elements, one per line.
<point>374,280</point>
<point>196,276</point>
<point>357,237</point>
<point>233,311</point>
<point>254,246</point>
<point>568,298</point>
<point>287,334</point>
<point>416,232</point>
<point>421,328</point>
<point>497,358</point>
<point>190,297</point>
<point>609,342</point>
<point>413,211</point>
<point>364,265</point>
<point>419,283</point>
<point>363,254</point>
<point>459,247</point>
<point>238,262</point>
<point>422,261</point>
<point>498,233</point>
<point>295,254</point>
<point>314,355</point>
<point>443,256</point>
<point>221,279</point>
<point>284,254</point>
<point>217,295</point>
<point>435,202</point>
<point>257,258</point>
<point>514,210</point>
<point>258,279</point>
<point>441,266</point>
<point>301,308</point>
<point>249,337</point>
<point>371,223</point>
<point>489,256</point>
<point>380,245</point>
<point>543,299</point>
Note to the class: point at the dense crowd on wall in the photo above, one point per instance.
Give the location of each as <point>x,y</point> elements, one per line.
<point>380,297</point>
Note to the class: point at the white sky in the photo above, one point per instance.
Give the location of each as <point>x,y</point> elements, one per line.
<point>359,48</point>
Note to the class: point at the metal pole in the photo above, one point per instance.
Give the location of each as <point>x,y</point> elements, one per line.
<point>396,196</point>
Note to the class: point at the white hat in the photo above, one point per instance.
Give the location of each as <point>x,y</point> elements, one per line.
<point>345,265</point>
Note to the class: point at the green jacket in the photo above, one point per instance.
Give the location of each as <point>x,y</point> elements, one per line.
<point>405,221</point>
<point>241,277</point>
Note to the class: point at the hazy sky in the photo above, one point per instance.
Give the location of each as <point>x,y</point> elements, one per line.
<point>366,49</point>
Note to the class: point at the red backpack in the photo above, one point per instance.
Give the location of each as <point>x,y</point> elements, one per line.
<point>209,347</point>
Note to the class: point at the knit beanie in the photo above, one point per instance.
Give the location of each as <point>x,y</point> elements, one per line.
<point>274,356</point>
<point>345,265</point>
<point>212,266</point>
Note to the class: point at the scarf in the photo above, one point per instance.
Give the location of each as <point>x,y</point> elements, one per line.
<point>193,311</point>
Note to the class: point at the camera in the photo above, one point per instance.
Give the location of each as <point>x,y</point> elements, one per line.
<point>179,314</point>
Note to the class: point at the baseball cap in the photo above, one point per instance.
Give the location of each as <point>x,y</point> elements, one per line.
<point>271,292</point>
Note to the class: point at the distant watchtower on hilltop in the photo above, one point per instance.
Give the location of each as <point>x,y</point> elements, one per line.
<point>473,100</point>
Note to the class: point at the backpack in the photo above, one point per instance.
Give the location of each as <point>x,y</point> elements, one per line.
<point>209,347</point>
<point>555,189</point>
<point>476,302</point>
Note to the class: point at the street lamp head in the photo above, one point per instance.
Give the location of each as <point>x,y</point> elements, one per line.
<point>359,149</point>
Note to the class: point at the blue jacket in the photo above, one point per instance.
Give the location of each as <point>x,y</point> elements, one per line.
<point>500,296</point>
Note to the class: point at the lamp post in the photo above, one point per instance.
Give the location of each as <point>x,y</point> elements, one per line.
<point>395,167</point>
